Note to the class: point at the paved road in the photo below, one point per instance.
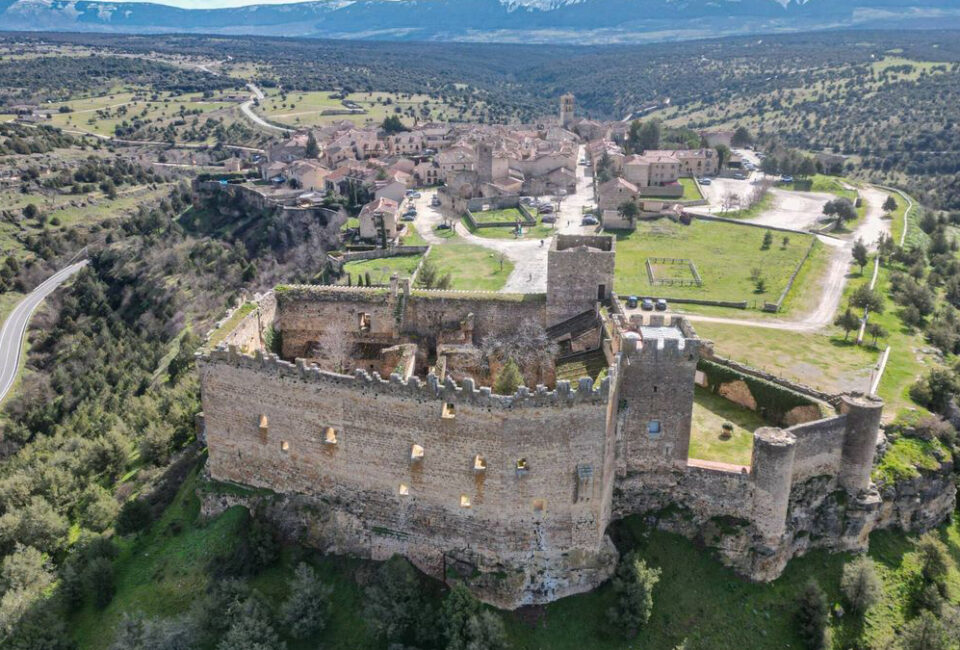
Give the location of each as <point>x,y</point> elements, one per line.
<point>15,327</point>
<point>247,109</point>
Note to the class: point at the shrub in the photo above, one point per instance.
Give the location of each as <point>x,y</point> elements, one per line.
<point>633,583</point>
<point>811,616</point>
<point>307,609</point>
<point>860,584</point>
<point>394,605</point>
<point>134,517</point>
<point>98,578</point>
<point>467,624</point>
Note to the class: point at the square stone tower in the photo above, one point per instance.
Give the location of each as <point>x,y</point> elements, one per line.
<point>579,274</point>
<point>567,107</point>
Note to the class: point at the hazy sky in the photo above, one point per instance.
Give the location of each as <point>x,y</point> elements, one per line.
<point>215,4</point>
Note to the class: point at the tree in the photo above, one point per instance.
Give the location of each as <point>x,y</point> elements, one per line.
<point>806,168</point>
<point>307,609</point>
<point>811,616</point>
<point>31,211</point>
<point>649,136</point>
<point>134,516</point>
<point>429,277</point>
<point>877,331</point>
<point>741,137</point>
<point>392,124</point>
<point>890,204</point>
<point>848,322</point>
<point>467,625</point>
<point>313,149</point>
<point>633,584</point>
<point>508,379</point>
<point>723,155</point>
<point>767,240</point>
<point>870,299</point>
<point>860,254</point>
<point>842,208</point>
<point>394,603</point>
<point>250,628</point>
<point>860,584</point>
<point>934,561</point>
<point>629,211</point>
<point>935,390</point>
<point>729,201</point>
<point>98,578</point>
<point>924,632</point>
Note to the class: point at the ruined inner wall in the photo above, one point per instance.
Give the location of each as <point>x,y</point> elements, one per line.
<point>430,509</point>
<point>580,273</point>
<point>818,449</point>
<point>248,333</point>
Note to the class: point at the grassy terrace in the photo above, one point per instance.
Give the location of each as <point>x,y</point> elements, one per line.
<point>724,255</point>
<point>540,231</point>
<point>231,323</point>
<point>588,364</point>
<point>505,216</point>
<point>470,267</point>
<point>822,361</point>
<point>162,573</point>
<point>710,413</point>
<point>381,269</point>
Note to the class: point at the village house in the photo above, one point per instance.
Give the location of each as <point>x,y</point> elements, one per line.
<point>379,213</point>
<point>308,174</point>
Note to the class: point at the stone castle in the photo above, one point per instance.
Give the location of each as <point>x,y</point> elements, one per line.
<point>373,417</point>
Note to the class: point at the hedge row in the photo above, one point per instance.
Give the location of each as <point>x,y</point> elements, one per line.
<point>773,401</point>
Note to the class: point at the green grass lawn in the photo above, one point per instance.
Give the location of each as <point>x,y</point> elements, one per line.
<point>381,269</point>
<point>710,412</point>
<point>540,231</point>
<point>305,108</point>
<point>471,267</point>
<point>818,360</point>
<point>507,215</point>
<point>690,190</point>
<point>724,255</point>
<point>588,364</point>
<point>411,237</point>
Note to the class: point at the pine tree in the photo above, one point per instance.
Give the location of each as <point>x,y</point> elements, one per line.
<point>508,379</point>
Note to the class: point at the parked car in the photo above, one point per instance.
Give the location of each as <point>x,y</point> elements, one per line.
<point>661,304</point>
<point>646,304</point>
<point>408,217</point>
<point>549,218</point>
<point>589,220</point>
<point>526,200</point>
<point>443,226</point>
<point>546,209</point>
<point>632,302</point>
<point>435,201</point>
<point>409,192</point>
<point>415,195</point>
<point>786,179</point>
<point>704,181</point>
<point>411,211</point>
<point>740,176</point>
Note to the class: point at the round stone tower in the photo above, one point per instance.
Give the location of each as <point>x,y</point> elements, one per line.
<point>860,440</point>
<point>772,468</point>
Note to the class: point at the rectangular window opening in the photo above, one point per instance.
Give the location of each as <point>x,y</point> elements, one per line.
<point>522,466</point>
<point>364,322</point>
<point>330,436</point>
<point>284,446</point>
<point>404,490</point>
<point>449,411</point>
<point>653,428</point>
<point>539,505</point>
<point>479,463</point>
<point>464,501</point>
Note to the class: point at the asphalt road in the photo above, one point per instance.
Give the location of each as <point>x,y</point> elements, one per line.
<point>15,327</point>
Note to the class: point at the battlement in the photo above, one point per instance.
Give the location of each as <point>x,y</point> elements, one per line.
<point>655,337</point>
<point>604,243</point>
<point>563,395</point>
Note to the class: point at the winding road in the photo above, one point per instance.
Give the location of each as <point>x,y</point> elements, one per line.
<point>247,108</point>
<point>15,326</point>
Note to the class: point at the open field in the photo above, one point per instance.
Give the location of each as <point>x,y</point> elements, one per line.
<point>725,256</point>
<point>710,413</point>
<point>470,267</point>
<point>306,108</point>
<point>380,270</point>
<point>690,190</point>
<point>103,115</point>
<point>507,215</point>
<point>818,360</point>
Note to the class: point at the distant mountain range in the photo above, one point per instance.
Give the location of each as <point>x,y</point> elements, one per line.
<point>519,21</point>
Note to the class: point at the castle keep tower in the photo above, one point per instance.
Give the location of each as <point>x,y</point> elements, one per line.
<point>579,274</point>
<point>655,409</point>
<point>567,104</point>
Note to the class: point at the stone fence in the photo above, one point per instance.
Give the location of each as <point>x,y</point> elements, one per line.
<point>775,306</point>
<point>797,387</point>
<point>338,261</point>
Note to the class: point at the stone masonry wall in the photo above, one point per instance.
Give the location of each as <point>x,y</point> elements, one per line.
<point>267,426</point>
<point>818,449</point>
